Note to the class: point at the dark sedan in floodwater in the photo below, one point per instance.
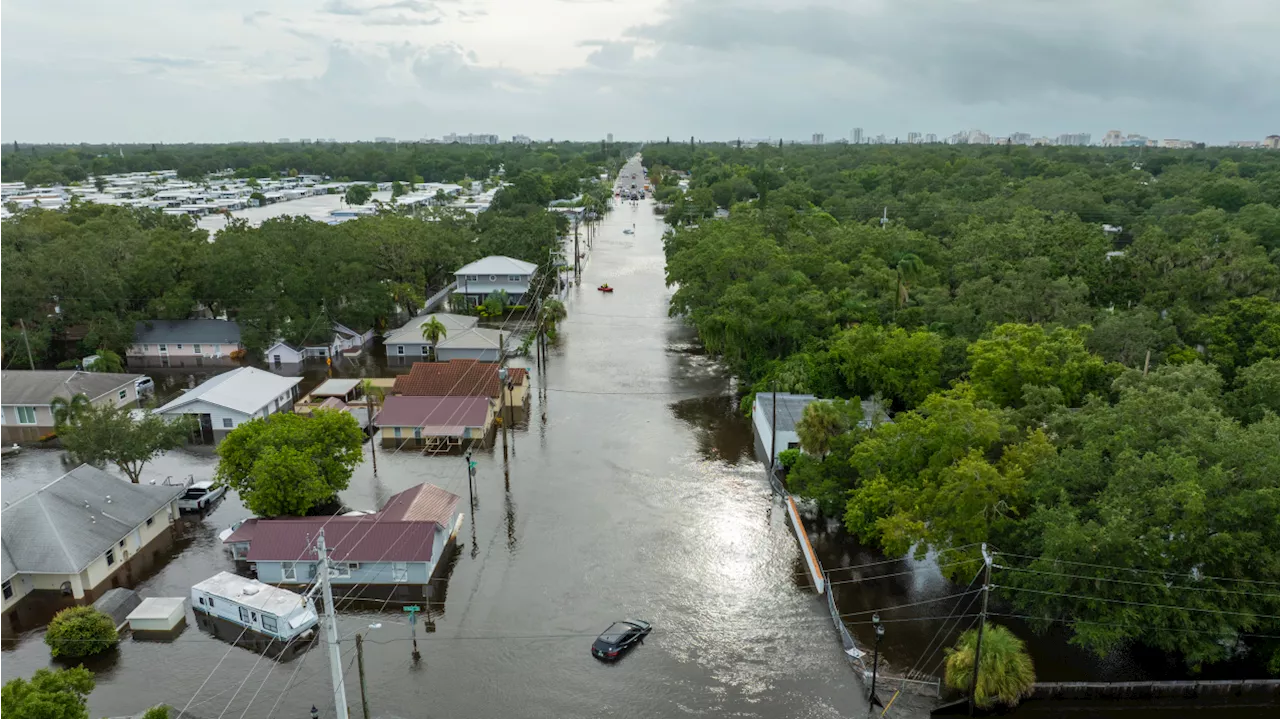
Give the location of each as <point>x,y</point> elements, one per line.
<point>618,638</point>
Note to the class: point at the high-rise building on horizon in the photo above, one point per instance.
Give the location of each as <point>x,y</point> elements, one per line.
<point>818,138</point>
<point>931,137</point>
<point>856,136</point>
<point>913,137</point>
<point>1020,138</point>
<point>609,138</point>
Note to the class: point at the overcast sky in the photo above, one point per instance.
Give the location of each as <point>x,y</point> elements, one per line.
<point>225,70</point>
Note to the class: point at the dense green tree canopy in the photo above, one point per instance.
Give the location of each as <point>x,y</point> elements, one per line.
<point>102,433</point>
<point>288,464</point>
<point>48,694</point>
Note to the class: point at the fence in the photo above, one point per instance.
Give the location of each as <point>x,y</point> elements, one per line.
<point>857,657</point>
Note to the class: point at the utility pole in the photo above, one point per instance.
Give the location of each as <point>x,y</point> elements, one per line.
<point>331,631</point>
<point>577,266</point>
<point>364,699</point>
<point>502,395</point>
<point>26,341</point>
<point>373,438</point>
<point>471,478</point>
<point>413,630</point>
<point>982,623</point>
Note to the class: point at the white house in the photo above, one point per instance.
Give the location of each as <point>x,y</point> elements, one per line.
<point>479,279</point>
<point>790,410</point>
<point>407,341</point>
<point>475,343</point>
<point>228,400</point>
<point>341,339</point>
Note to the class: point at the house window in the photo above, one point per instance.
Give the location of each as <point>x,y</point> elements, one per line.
<point>342,570</point>
<point>269,623</point>
<point>150,521</point>
<point>244,615</point>
<point>179,348</point>
<point>417,433</point>
<point>8,589</point>
<point>473,278</point>
<point>211,601</point>
<point>217,349</point>
<point>288,571</point>
<point>514,278</point>
<point>26,415</point>
<point>397,431</point>
<point>111,557</point>
<point>425,350</point>
<point>399,349</point>
<point>399,571</point>
<point>195,348</point>
<point>124,393</point>
<point>164,348</point>
<point>201,600</point>
<point>227,422</point>
<point>121,542</point>
<point>146,347</point>
<point>353,566</point>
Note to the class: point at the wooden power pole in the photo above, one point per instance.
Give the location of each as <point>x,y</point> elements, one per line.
<point>982,624</point>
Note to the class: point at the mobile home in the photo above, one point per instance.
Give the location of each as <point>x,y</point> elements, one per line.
<point>271,611</point>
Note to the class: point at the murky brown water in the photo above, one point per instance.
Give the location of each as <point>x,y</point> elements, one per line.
<point>632,492</point>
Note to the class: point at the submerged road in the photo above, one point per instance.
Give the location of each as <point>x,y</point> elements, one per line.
<point>633,492</point>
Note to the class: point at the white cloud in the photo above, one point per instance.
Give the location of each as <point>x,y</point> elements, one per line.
<point>158,70</point>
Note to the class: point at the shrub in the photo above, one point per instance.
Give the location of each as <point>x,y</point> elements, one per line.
<point>789,457</point>
<point>80,632</point>
<point>1007,673</point>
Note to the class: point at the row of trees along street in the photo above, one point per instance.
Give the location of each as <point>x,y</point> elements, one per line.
<point>1080,348</point>
<point>79,278</point>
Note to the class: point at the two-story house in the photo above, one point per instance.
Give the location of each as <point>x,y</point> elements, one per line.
<point>183,343</point>
<point>479,279</point>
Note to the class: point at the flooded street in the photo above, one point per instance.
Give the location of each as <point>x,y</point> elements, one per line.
<point>631,492</point>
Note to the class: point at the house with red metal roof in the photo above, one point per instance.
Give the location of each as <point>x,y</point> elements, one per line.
<point>463,378</point>
<point>403,544</point>
<point>433,423</point>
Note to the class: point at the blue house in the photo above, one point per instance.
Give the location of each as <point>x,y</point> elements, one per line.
<point>401,545</point>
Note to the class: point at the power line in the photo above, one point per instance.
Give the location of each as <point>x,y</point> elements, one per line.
<point>1188,575</point>
<point>1140,584</point>
<point>1132,627</point>
<point>1255,615</point>
<point>901,559</point>
<point>900,574</point>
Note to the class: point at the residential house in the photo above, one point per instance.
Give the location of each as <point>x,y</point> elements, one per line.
<point>436,423</point>
<point>406,342</point>
<point>73,536</point>
<point>25,396</point>
<point>342,339</point>
<point>479,279</point>
<point>790,410</point>
<point>282,353</point>
<point>228,400</point>
<point>403,544</point>
<point>476,343</point>
<point>183,343</point>
<point>464,378</point>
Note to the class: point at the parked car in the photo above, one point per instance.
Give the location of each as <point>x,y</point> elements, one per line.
<point>619,638</point>
<point>144,385</point>
<point>199,496</point>
<point>222,536</point>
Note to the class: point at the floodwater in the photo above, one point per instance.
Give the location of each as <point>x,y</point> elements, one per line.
<point>632,491</point>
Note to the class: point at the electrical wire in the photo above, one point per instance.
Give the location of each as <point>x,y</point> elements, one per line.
<point>1138,584</point>
<point>1188,575</point>
<point>1132,627</point>
<point>900,574</point>
<point>1084,597</point>
<point>900,559</point>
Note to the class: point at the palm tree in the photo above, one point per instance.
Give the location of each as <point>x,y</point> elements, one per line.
<point>433,331</point>
<point>909,268</point>
<point>1007,673</point>
<point>67,411</point>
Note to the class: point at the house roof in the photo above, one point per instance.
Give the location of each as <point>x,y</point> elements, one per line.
<point>452,413</point>
<point>498,265</point>
<point>455,378</point>
<point>790,408</point>
<point>369,538</point>
<point>411,331</point>
<point>189,331</point>
<point>423,503</point>
<point>336,387</point>
<point>476,338</point>
<point>245,390</point>
<point>38,387</point>
<point>66,524</point>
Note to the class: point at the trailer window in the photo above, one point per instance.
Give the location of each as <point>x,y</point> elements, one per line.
<point>268,622</point>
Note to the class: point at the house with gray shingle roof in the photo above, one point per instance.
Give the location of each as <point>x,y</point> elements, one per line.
<point>74,535</point>
<point>183,343</point>
<point>496,273</point>
<point>25,396</point>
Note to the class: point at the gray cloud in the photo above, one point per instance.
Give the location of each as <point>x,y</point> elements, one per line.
<point>170,62</point>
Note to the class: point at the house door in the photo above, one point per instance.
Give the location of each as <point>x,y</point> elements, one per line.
<point>204,434</point>
<point>277,360</point>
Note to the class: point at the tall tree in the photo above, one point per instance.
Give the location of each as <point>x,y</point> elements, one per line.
<point>48,694</point>
<point>103,433</point>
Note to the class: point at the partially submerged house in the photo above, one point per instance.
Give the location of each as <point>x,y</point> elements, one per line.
<point>403,544</point>
<point>464,378</point>
<point>341,340</point>
<point>434,423</point>
<point>407,341</point>
<point>228,400</point>
<point>26,396</point>
<point>496,273</point>
<point>789,411</point>
<point>73,536</point>
<point>183,343</point>
<point>272,611</point>
<point>476,343</point>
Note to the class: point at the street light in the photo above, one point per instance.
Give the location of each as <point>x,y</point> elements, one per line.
<point>875,664</point>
